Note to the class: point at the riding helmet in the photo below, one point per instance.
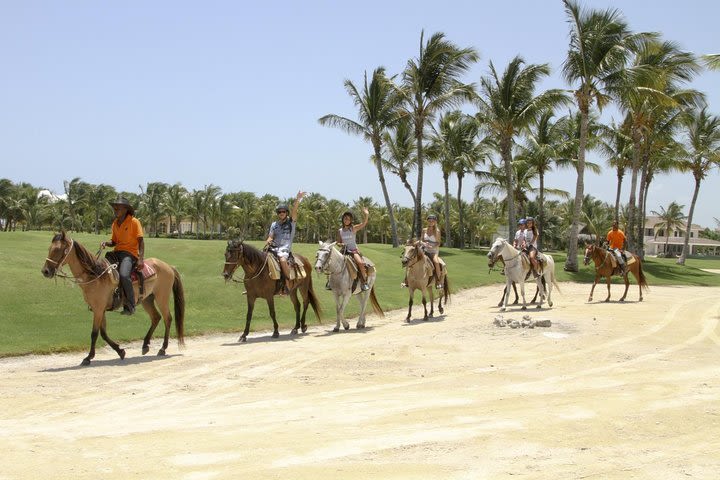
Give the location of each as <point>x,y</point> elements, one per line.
<point>282,206</point>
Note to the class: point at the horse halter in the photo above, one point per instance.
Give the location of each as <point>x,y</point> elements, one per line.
<point>405,260</point>
<point>324,265</point>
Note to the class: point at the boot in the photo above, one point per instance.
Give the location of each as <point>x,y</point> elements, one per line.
<point>362,270</point>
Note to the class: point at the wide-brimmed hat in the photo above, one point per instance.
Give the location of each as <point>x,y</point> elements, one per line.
<point>123,201</point>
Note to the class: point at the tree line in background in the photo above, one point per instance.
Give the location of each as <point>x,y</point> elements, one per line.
<point>510,142</point>
<point>516,134</point>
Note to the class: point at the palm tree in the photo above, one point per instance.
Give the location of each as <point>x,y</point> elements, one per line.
<point>377,112</point>
<point>399,153</point>
<point>98,197</point>
<point>712,61</point>
<point>152,203</point>
<point>598,50</point>
<point>508,105</point>
<point>670,219</point>
<point>430,84</point>
<point>176,204</point>
<point>616,146</point>
<point>75,192</point>
<point>703,146</point>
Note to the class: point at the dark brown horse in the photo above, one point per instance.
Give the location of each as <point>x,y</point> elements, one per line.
<point>259,284</point>
<point>604,267</point>
<point>97,280</point>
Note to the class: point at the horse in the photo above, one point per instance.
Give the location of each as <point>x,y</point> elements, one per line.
<point>98,280</point>
<point>420,273</point>
<point>517,267</point>
<point>259,284</point>
<point>604,268</point>
<point>517,298</point>
<point>332,263</point>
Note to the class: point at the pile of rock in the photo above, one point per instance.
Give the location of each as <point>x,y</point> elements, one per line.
<point>526,322</point>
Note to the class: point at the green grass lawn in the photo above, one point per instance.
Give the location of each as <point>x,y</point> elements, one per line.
<point>38,315</point>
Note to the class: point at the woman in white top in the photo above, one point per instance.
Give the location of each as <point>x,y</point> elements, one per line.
<point>346,239</point>
<point>431,241</point>
<point>531,242</point>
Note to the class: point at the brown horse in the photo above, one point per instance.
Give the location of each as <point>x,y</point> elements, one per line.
<point>604,268</point>
<point>98,280</point>
<point>420,274</point>
<point>259,284</point>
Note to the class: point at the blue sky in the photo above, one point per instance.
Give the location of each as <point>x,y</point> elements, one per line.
<point>229,93</point>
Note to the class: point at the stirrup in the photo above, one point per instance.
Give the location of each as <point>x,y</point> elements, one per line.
<point>403,285</point>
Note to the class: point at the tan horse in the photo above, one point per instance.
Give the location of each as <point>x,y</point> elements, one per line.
<point>604,267</point>
<point>97,280</point>
<point>420,275</point>
<point>259,284</point>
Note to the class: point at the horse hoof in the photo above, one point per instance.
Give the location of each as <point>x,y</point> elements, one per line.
<point>303,328</point>
<point>242,339</point>
<point>524,308</point>
<point>640,299</point>
<point>441,310</point>
<point>293,331</point>
<point>607,300</point>
<point>622,299</point>
<point>275,334</point>
<point>425,319</point>
<point>85,362</point>
<point>121,353</point>
<point>538,306</point>
<point>502,309</point>
<point>589,299</point>
<point>550,304</point>
<point>346,326</point>
<point>499,304</point>
<point>161,352</point>
<point>145,349</point>
<point>336,330</point>
<point>407,319</point>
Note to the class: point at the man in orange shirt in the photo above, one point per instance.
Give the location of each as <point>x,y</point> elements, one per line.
<point>127,238</point>
<point>616,239</point>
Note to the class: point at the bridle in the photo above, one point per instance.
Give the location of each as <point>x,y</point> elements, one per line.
<point>495,256</point>
<point>325,265</point>
<point>416,256</point>
<point>588,256</point>
<point>238,250</point>
<point>59,264</point>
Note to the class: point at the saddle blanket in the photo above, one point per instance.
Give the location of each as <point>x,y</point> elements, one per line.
<point>352,266</point>
<point>296,271</point>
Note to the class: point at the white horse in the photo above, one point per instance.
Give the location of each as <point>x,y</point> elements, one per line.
<point>517,267</point>
<point>332,263</point>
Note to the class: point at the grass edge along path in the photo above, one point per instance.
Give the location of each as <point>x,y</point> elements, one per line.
<point>40,316</point>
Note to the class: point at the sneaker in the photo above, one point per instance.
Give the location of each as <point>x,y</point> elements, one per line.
<point>403,285</point>
<point>365,287</point>
<point>327,286</point>
<point>128,311</point>
<point>438,286</point>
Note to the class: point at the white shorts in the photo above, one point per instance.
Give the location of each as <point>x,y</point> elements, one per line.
<point>283,252</point>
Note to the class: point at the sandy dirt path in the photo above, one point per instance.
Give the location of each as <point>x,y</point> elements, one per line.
<point>609,391</point>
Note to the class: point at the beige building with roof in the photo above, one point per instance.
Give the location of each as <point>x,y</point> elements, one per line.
<point>655,240</point>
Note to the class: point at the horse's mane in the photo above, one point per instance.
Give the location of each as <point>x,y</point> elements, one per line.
<point>87,260</point>
<point>252,254</point>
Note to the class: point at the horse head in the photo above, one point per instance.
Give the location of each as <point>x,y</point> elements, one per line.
<point>411,250</point>
<point>233,256</point>
<point>495,252</point>
<point>322,257</point>
<point>57,254</point>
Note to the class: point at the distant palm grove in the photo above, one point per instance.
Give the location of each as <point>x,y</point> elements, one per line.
<point>507,137</point>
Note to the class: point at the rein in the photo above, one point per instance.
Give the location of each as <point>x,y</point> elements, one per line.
<point>416,257</point>
<point>325,263</point>
<point>59,272</point>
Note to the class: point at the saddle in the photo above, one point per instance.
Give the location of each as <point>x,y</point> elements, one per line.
<point>354,273</point>
<point>430,270</point>
<point>627,256</point>
<point>297,271</point>
<point>138,280</point>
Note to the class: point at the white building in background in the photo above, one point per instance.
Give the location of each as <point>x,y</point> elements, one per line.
<point>655,239</point>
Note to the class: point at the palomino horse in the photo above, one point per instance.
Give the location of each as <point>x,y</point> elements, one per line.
<point>97,281</point>
<point>517,267</point>
<point>259,284</point>
<point>604,268</point>
<point>332,263</point>
<point>420,274</point>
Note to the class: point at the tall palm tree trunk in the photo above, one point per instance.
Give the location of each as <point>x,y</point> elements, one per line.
<point>461,225</point>
<point>642,197</point>
<point>571,264</point>
<point>386,195</point>
<point>632,243</point>
<point>506,153</point>
<point>446,207</point>
<point>541,208</point>
<point>686,243</point>
<point>620,175</point>
<point>417,215</point>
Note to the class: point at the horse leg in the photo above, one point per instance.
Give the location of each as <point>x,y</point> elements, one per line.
<point>517,299</point>
<point>296,304</point>
<point>271,308</point>
<point>432,301</point>
<point>502,299</point>
<point>248,317</point>
<point>627,285</point>
<point>363,298</point>
<point>305,292</point>
<point>597,279</point>
<point>149,307</point>
<point>539,288</point>
<point>110,341</point>
<point>636,274</point>
<point>424,301</point>
<point>97,322</point>
<point>547,286</point>
<point>522,292</point>
<point>341,302</point>
<point>410,304</point>
<point>508,284</point>
<point>609,279</point>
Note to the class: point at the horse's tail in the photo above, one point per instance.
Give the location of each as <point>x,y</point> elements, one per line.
<point>446,289</point>
<point>312,298</point>
<point>642,281</point>
<point>179,301</point>
<point>375,304</point>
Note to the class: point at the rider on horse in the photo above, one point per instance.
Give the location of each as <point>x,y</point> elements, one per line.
<point>531,235</point>
<point>346,239</point>
<point>431,244</point>
<point>520,234</point>
<point>127,238</point>
<point>281,235</point>
<point>616,241</point>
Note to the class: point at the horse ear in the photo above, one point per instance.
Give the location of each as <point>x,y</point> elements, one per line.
<point>320,243</point>
<point>333,244</point>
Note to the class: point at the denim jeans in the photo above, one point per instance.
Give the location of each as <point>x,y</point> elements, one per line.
<point>126,264</point>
